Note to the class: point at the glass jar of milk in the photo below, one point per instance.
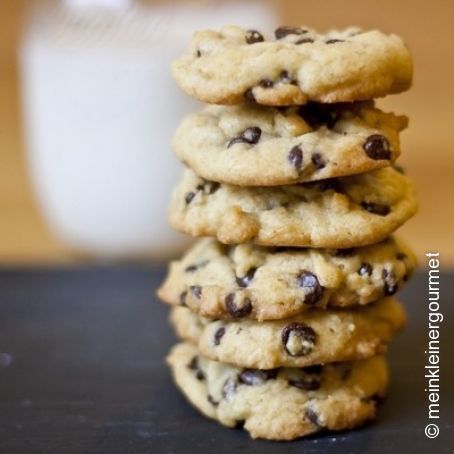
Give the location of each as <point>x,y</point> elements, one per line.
<point>100,108</point>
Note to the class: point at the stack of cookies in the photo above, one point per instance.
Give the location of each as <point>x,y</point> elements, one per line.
<point>285,308</point>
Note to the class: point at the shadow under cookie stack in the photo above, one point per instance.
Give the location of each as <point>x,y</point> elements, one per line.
<point>285,308</point>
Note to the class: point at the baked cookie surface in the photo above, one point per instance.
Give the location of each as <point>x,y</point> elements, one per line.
<point>336,213</point>
<point>284,403</point>
<point>247,281</point>
<point>297,65</point>
<point>256,146</point>
<point>315,337</point>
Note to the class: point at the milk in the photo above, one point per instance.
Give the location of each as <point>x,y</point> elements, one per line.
<point>100,108</point>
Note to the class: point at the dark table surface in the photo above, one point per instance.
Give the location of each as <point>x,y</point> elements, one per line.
<point>81,371</point>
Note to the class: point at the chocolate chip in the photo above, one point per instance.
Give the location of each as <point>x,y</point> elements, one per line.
<point>285,78</point>
<point>401,256</point>
<point>183,298</point>
<point>266,83</point>
<point>189,196</point>
<point>191,268</point>
<point>229,388</point>
<point>313,291</point>
<point>200,375</point>
<point>377,147</point>
<point>249,135</point>
<point>376,208</point>
<point>309,378</point>
<point>195,266</point>
<point>295,157</point>
<point>304,41</point>
<point>306,382</point>
<point>238,310</point>
<point>218,335</point>
<point>389,282</point>
<point>249,95</point>
<point>208,187</point>
<point>211,187</point>
<point>312,417</point>
<point>365,269</point>
<point>198,54</point>
<point>212,401</point>
<point>196,290</point>
<point>254,377</point>
<point>332,41</point>
<point>318,161</point>
<point>194,365</point>
<point>283,31</point>
<point>253,36</point>
<point>298,339</point>
<point>247,278</point>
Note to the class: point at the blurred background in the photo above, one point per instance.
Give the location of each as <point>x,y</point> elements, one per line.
<point>87,109</point>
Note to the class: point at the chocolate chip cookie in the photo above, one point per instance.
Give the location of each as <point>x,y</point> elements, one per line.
<point>284,403</point>
<point>248,281</point>
<point>297,65</point>
<point>315,337</point>
<point>335,213</point>
<point>256,146</point>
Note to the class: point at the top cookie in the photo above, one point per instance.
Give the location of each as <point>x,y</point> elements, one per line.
<point>298,65</point>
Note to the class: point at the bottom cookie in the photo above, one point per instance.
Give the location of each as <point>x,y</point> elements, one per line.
<point>283,403</point>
